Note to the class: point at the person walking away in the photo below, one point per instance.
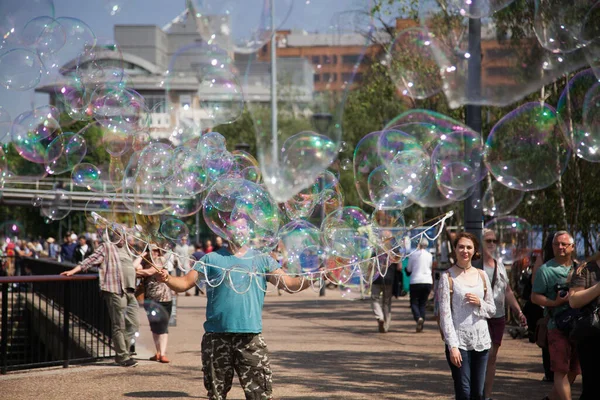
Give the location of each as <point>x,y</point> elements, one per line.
<point>584,293</point>
<point>382,291</point>
<point>233,338</point>
<point>116,275</point>
<point>549,291</point>
<point>465,304</point>
<point>419,269</point>
<point>158,302</point>
<point>502,293</point>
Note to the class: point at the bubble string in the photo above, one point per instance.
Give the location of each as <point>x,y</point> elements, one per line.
<point>323,274</point>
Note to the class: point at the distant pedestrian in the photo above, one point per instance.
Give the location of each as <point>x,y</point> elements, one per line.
<point>420,270</point>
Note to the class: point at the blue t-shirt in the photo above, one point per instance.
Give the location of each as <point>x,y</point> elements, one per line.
<point>236,301</point>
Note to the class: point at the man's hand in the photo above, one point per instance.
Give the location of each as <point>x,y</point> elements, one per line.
<point>70,272</point>
<point>163,275</point>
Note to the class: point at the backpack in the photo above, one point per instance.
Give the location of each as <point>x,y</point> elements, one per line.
<point>451,287</point>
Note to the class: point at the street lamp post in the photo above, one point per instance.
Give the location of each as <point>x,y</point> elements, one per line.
<point>474,216</point>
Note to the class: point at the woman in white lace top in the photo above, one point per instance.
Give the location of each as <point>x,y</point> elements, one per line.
<point>465,305</point>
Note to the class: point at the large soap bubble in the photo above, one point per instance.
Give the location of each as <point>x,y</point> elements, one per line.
<point>499,200</point>
<point>578,108</point>
<point>513,235</point>
<point>346,234</point>
<point>301,246</point>
<point>20,69</point>
<point>242,212</point>
<point>527,149</point>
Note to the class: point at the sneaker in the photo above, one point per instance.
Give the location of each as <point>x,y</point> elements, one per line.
<point>132,350</point>
<point>420,323</point>
<point>129,363</point>
<point>381,326</point>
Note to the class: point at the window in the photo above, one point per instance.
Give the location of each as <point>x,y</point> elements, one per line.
<point>328,60</point>
<point>350,58</point>
<point>499,53</point>
<point>317,78</point>
<point>500,71</point>
<point>316,59</point>
<point>156,103</point>
<point>326,77</point>
<point>185,101</point>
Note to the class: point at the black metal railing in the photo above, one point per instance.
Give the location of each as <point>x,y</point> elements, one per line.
<point>51,320</point>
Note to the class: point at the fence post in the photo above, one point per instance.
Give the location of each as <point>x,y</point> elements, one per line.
<point>4,332</point>
<point>66,323</point>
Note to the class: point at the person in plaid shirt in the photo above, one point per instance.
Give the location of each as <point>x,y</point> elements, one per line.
<point>117,279</point>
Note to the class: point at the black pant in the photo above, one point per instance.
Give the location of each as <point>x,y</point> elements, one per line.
<point>419,293</point>
<point>589,354</point>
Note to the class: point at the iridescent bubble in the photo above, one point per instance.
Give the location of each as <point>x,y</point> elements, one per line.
<point>44,34</point>
<point>590,33</point>
<point>246,27</point>
<point>74,97</point>
<point>458,160</point>
<point>105,206</point>
<point>527,149</point>
<point>243,212</point>
<point>412,65</point>
<point>498,200</point>
<point>388,230</point>
<point>65,152</point>
<point>156,312</point>
<point>20,69</point>
<point>577,109</point>
<point>245,166</point>
<point>88,176</point>
<point>36,201</point>
<point>302,204</point>
<point>382,195</point>
<point>190,176</point>
<point>558,29</point>
<point>222,84</point>
<point>301,159</point>
<point>57,205</point>
<point>14,15</point>
<point>118,109</point>
<point>156,165</point>
<point>301,247</point>
<point>32,132</point>
<point>346,234</point>
<point>513,234</point>
<point>144,188</point>
<point>174,229</point>
<point>66,61</point>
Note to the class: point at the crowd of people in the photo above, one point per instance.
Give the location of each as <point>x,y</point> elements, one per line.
<point>472,298</point>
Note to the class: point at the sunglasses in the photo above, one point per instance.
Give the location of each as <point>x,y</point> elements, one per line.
<point>491,240</point>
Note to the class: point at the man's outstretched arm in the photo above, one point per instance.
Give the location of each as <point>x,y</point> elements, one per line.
<point>290,284</point>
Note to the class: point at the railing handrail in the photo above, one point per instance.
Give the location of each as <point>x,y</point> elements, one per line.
<point>46,278</point>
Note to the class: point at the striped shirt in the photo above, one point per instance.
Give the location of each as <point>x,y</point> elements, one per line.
<point>116,272</point>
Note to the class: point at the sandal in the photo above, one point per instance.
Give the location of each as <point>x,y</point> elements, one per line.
<point>155,357</point>
<point>164,360</point>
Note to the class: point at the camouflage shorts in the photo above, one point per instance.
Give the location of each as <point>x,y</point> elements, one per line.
<point>244,353</point>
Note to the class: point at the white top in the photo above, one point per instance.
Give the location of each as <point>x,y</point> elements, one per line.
<point>419,265</point>
<point>499,287</point>
<point>183,253</point>
<point>465,325</point>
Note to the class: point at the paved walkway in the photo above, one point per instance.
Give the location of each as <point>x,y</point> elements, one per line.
<point>321,348</point>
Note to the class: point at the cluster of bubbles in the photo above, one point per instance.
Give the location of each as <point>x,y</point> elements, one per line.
<point>271,202</point>
<point>433,56</point>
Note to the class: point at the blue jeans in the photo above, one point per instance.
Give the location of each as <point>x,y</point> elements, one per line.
<point>419,293</point>
<point>470,377</point>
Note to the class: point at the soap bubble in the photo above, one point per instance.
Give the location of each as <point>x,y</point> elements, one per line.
<point>412,65</point>
<point>499,200</point>
<point>57,205</point>
<point>527,149</point>
<point>577,109</point>
<point>301,247</point>
<point>65,152</point>
<point>242,212</point>
<point>346,234</point>
<point>513,234</point>
<point>478,8</point>
<point>20,69</point>
<point>174,229</point>
<point>88,176</point>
